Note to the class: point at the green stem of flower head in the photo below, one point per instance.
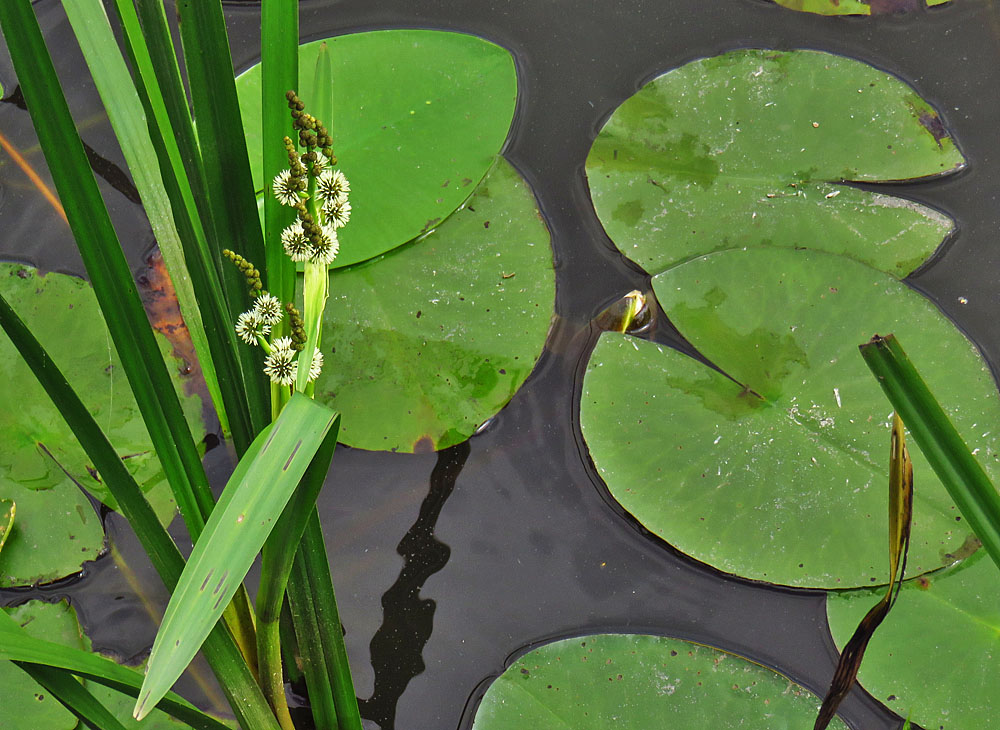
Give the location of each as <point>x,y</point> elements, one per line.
<point>315,290</point>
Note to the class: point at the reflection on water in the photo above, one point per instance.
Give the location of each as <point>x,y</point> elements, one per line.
<point>408,619</point>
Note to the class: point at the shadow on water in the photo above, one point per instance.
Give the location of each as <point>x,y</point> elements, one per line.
<point>407,619</point>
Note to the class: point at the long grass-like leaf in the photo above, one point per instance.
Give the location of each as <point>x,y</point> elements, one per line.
<point>312,574</point>
<point>105,262</point>
<point>278,552</point>
<point>222,653</point>
<point>279,52</point>
<point>165,149</point>
<point>227,168</point>
<point>258,490</point>
<point>100,50</point>
<point>74,697</point>
<point>930,427</point>
<point>16,645</point>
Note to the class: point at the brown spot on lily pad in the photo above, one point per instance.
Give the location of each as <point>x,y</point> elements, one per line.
<point>423,445</point>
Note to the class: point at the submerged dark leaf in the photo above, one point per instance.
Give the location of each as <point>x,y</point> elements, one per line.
<point>900,517</point>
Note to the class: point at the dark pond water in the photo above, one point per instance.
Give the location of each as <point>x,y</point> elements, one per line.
<point>448,564</point>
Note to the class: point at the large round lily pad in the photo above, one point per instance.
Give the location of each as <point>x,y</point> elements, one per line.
<point>780,474</point>
<point>636,682</point>
<point>750,148</point>
<point>418,117</point>
<point>24,704</point>
<point>56,527</point>
<point>425,343</point>
<point>937,656</point>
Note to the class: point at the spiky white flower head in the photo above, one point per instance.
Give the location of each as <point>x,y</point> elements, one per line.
<point>286,188</point>
<point>316,366</point>
<point>326,249</point>
<point>319,164</point>
<point>249,327</point>
<point>279,365</point>
<point>295,242</point>
<point>332,185</point>
<point>338,211</point>
<point>283,343</point>
<point>267,308</point>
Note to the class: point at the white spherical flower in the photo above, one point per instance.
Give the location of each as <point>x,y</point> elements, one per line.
<point>331,186</point>
<point>338,212</point>
<point>286,188</point>
<point>295,243</point>
<point>282,343</point>
<point>316,366</point>
<point>320,162</point>
<point>267,309</point>
<point>327,248</point>
<point>279,366</point>
<point>249,326</point>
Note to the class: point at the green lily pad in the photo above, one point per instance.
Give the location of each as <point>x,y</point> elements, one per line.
<point>636,682</point>
<point>937,656</point>
<point>56,527</point>
<point>26,705</point>
<point>858,7</point>
<point>750,148</point>
<point>428,341</point>
<point>419,116</point>
<point>781,474</point>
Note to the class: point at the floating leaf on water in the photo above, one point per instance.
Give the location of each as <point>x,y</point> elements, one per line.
<point>775,474</point>
<point>751,148</point>
<point>428,341</point>
<point>56,528</point>
<point>636,682</point>
<point>858,7</point>
<point>418,118</point>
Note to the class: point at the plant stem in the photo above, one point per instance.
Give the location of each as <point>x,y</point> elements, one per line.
<point>941,444</point>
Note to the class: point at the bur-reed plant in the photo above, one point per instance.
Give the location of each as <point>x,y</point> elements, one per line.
<point>195,183</point>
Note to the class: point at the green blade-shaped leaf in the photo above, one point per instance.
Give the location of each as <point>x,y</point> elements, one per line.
<point>106,266</point>
<point>125,112</point>
<point>74,697</point>
<point>858,7</point>
<point>249,507</point>
<point>637,682</point>
<point>8,508</point>
<point>18,645</point>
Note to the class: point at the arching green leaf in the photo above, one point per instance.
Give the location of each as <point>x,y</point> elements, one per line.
<point>937,658</point>
<point>749,148</point>
<point>425,343</point>
<point>418,117</point>
<point>56,527</point>
<point>779,475</point>
<point>26,706</point>
<point>635,682</point>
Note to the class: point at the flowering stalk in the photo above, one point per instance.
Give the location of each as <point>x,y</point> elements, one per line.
<point>294,361</point>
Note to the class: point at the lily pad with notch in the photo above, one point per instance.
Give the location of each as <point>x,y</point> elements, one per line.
<point>418,118</point>
<point>636,682</point>
<point>776,471</point>
<point>753,148</point>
